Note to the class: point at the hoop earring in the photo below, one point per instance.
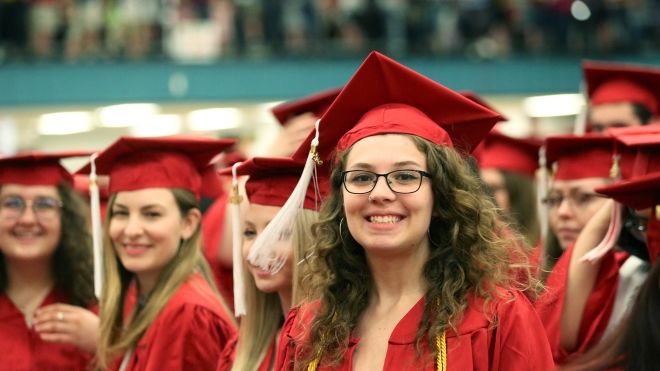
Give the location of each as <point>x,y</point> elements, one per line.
<point>341,235</point>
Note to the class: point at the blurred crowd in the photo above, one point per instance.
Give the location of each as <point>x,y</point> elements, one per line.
<point>207,30</point>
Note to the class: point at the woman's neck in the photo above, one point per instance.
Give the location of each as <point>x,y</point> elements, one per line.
<point>29,284</point>
<point>29,275</point>
<point>285,299</point>
<point>146,283</point>
<point>398,277</point>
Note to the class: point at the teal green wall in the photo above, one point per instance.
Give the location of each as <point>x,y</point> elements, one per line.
<point>49,84</point>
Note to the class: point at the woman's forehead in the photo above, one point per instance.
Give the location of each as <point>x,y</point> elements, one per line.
<point>385,148</point>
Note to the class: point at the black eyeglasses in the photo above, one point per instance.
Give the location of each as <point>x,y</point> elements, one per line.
<point>399,181</point>
<point>577,199</point>
<point>44,208</point>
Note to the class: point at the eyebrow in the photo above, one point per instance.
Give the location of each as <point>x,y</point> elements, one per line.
<point>364,165</point>
<point>141,207</point>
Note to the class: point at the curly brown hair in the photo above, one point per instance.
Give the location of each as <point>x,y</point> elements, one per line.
<point>72,261</point>
<point>471,253</point>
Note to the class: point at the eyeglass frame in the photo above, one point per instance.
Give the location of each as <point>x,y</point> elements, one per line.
<point>384,175</point>
<point>31,202</point>
<point>571,197</point>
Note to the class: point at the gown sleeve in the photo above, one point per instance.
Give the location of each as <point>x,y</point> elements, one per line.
<point>520,341</point>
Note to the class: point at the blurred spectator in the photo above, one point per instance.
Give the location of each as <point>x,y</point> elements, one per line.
<point>213,29</point>
<point>13,28</point>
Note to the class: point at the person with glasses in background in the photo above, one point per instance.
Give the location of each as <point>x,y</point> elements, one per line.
<point>580,164</point>
<point>46,283</point>
<point>411,270</point>
<point>614,254</point>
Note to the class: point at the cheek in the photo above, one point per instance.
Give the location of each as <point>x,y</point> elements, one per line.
<point>352,203</point>
<point>114,229</point>
<point>245,249</point>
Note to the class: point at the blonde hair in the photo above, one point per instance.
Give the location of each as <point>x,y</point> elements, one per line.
<point>264,315</point>
<point>115,338</point>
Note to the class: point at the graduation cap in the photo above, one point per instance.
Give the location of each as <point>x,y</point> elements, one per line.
<point>578,157</point>
<point>272,180</point>
<point>384,96</point>
<point>615,83</point>
<point>640,189</point>
<point>167,162</point>
<point>37,168</point>
<point>317,104</point>
<point>517,155</point>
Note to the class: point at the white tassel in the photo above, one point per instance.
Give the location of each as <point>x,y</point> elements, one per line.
<point>97,233</point>
<point>611,237</point>
<point>541,193</point>
<point>272,246</point>
<point>614,229</point>
<point>236,238</point>
<point>580,125</point>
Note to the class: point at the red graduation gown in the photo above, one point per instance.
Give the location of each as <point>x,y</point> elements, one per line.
<point>189,333</point>
<point>518,341</point>
<point>229,355</point>
<point>597,310</point>
<point>22,348</point>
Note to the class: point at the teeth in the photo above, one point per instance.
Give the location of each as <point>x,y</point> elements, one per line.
<point>26,234</point>
<point>384,219</point>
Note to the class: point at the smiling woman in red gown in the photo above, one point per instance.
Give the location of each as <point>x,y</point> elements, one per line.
<point>45,267</point>
<point>412,268</point>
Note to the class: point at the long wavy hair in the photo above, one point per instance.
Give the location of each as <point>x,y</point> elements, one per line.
<point>634,346</point>
<point>522,201</point>
<point>471,253</point>
<point>71,264</point>
<point>264,316</point>
<point>115,336</point>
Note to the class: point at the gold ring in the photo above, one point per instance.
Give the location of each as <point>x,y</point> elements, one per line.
<point>59,316</point>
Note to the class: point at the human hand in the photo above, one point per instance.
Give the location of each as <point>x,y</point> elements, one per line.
<point>63,323</point>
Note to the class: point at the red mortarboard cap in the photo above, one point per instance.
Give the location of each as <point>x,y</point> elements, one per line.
<point>511,154</point>
<point>37,168</point>
<point>639,193</point>
<point>272,180</point>
<point>477,99</point>
<point>614,83</point>
<point>212,186</point>
<point>169,162</point>
<point>578,157</point>
<point>642,144</point>
<point>384,96</point>
<point>316,104</point>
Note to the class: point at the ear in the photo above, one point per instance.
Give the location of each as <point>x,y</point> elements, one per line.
<point>190,222</point>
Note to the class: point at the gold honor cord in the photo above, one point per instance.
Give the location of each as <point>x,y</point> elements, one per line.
<point>440,359</point>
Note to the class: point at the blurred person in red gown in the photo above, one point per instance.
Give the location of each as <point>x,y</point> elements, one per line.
<point>46,278</point>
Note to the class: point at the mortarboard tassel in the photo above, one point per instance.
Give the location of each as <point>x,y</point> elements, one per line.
<point>542,180</point>
<point>614,229</point>
<point>271,247</point>
<point>580,124</point>
<point>237,256</point>
<point>97,234</point>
